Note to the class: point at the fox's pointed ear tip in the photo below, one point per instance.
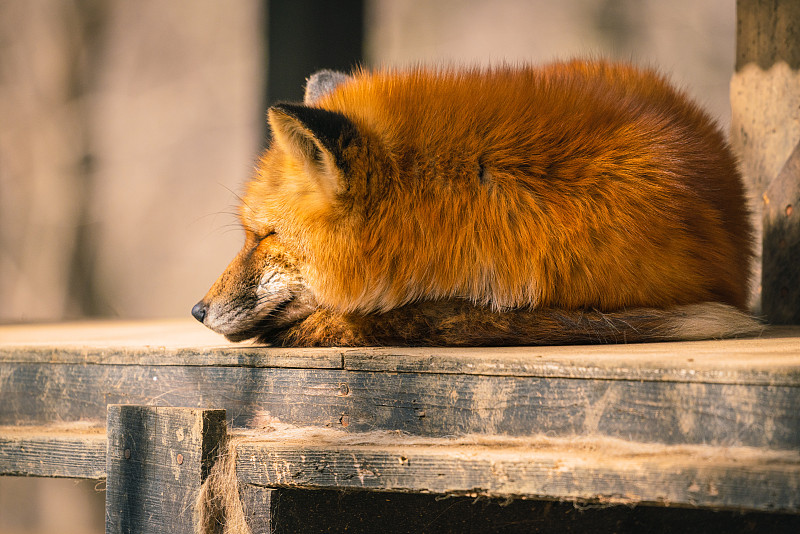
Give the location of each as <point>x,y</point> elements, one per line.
<point>284,112</point>
<point>283,108</point>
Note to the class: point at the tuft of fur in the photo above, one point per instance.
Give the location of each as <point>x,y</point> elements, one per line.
<point>552,204</point>
<point>218,506</point>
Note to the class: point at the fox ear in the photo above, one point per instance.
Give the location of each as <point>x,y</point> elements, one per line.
<point>321,83</point>
<point>318,138</point>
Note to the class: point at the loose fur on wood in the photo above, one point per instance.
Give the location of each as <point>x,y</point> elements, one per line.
<point>218,507</point>
<point>583,201</point>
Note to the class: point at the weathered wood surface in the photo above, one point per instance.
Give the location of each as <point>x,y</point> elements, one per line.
<point>417,403</point>
<point>773,358</point>
<point>597,469</point>
<point>164,342</point>
<point>780,279</point>
<point>156,460</point>
<point>765,113</point>
<point>260,507</point>
<point>71,451</point>
<point>592,470</point>
<point>731,393</point>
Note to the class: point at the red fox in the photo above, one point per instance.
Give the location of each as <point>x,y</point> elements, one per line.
<point>579,202</point>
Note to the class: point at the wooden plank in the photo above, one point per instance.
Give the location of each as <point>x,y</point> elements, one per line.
<point>71,451</point>
<point>765,111</point>
<point>780,278</point>
<point>243,356</point>
<point>259,506</point>
<point>163,342</point>
<point>156,460</point>
<point>772,359</point>
<point>599,470</point>
<point>416,403</point>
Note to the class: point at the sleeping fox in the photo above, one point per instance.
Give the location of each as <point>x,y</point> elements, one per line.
<point>579,202</point>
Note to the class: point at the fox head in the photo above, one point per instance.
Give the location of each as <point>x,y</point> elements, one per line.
<point>299,214</point>
<point>362,205</point>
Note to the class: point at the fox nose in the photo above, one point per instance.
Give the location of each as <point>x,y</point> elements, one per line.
<point>199,311</point>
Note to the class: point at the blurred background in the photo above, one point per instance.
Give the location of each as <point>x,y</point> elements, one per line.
<point>128,128</point>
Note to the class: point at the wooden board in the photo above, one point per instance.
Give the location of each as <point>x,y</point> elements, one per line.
<point>416,403</point>
<point>70,451</point>
<point>601,470</point>
<point>773,358</point>
<point>733,392</point>
<point>164,342</point>
<point>733,395</point>
<point>156,460</point>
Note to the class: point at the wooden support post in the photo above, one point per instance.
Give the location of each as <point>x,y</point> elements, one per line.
<point>765,129</point>
<point>157,459</point>
<point>781,250</point>
<point>260,506</point>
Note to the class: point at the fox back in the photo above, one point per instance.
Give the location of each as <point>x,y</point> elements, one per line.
<point>576,186</point>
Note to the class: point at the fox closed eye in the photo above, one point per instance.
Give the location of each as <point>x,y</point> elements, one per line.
<point>258,237</point>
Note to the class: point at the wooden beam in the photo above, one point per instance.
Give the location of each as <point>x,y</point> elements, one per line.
<point>590,469</point>
<point>780,278</point>
<point>163,342</point>
<point>364,512</point>
<point>157,458</point>
<point>732,392</point>
<point>71,451</point>
<point>417,403</point>
<point>723,414</point>
<point>765,128</point>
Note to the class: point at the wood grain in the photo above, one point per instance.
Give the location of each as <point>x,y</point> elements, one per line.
<point>416,403</point>
<point>735,404</point>
<point>605,471</point>
<point>72,451</point>
<point>156,460</point>
<point>772,359</point>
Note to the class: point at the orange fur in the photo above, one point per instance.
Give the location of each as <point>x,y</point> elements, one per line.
<point>579,185</point>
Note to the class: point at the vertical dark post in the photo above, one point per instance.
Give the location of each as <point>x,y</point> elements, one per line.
<point>780,277</point>
<point>304,36</point>
<point>260,508</point>
<point>765,131</point>
<point>157,459</point>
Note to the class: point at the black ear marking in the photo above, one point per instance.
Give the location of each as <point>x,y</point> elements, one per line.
<point>332,130</point>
